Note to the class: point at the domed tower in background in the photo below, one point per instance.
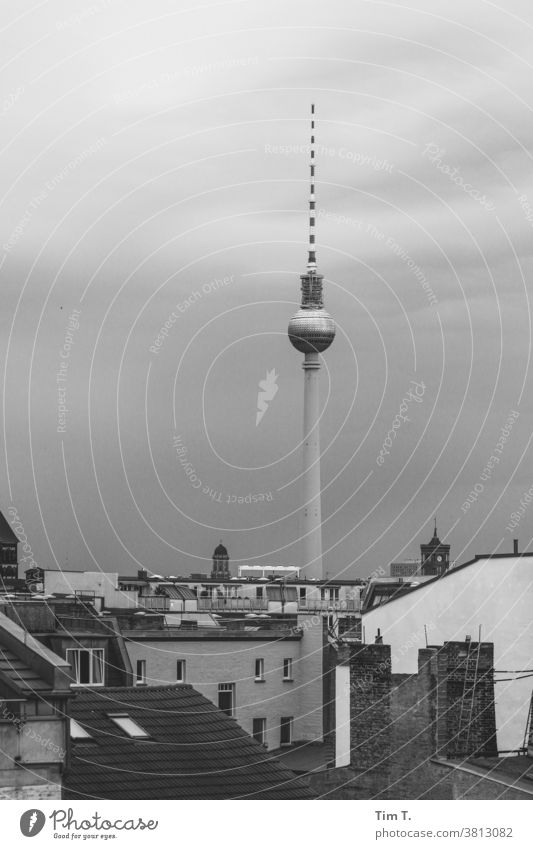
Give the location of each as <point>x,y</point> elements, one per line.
<point>220,570</point>
<point>311,331</point>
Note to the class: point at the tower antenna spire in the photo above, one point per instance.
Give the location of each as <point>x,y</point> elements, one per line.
<point>311,262</point>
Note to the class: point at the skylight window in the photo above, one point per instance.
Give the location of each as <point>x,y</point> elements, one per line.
<point>77,732</point>
<point>128,725</point>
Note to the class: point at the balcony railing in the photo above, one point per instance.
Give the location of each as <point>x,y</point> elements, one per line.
<point>348,606</point>
<point>225,604</point>
<point>253,604</point>
<point>155,602</point>
<point>249,605</point>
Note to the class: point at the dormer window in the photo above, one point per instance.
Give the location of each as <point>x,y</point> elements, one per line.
<point>128,725</point>
<point>78,732</point>
<point>87,665</point>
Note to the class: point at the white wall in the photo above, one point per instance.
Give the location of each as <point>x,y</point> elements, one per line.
<point>102,584</point>
<point>495,593</point>
<point>342,716</point>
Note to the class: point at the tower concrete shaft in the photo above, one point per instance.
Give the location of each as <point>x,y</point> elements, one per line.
<point>311,529</point>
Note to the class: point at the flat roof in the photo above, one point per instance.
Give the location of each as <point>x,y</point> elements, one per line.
<point>233,582</point>
<point>516,772</point>
<point>211,634</point>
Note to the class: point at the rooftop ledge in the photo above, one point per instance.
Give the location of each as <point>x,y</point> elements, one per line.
<point>207,634</point>
<point>494,772</point>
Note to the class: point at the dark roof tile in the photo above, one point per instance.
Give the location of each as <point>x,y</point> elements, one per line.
<point>19,674</point>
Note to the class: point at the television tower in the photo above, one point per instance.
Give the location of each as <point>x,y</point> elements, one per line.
<point>311,331</point>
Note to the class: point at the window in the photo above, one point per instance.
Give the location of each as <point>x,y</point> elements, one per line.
<point>140,674</point>
<point>77,732</point>
<point>287,669</point>
<point>87,665</point>
<point>9,554</point>
<point>303,595</point>
<point>128,725</point>
<point>13,710</point>
<point>259,592</point>
<point>259,730</point>
<point>273,593</point>
<point>259,669</point>
<point>226,698</point>
<point>180,671</point>
<point>350,625</point>
<point>285,736</point>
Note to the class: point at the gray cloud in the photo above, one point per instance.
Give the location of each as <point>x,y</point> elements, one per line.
<point>136,172</point>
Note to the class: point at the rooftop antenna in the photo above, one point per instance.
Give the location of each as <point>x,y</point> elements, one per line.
<point>311,262</point>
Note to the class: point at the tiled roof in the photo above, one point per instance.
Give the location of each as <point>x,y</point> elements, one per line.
<point>194,751</point>
<point>20,675</point>
<point>183,593</point>
<point>27,666</point>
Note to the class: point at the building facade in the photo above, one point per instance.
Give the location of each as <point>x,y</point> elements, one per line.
<point>8,554</point>
<point>405,568</point>
<point>35,688</point>
<point>269,680</point>
<point>491,595</point>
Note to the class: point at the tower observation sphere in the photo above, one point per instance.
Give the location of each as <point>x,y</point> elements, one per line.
<point>311,330</point>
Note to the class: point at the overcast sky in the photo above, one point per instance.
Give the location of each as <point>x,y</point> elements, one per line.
<point>155,172</point>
